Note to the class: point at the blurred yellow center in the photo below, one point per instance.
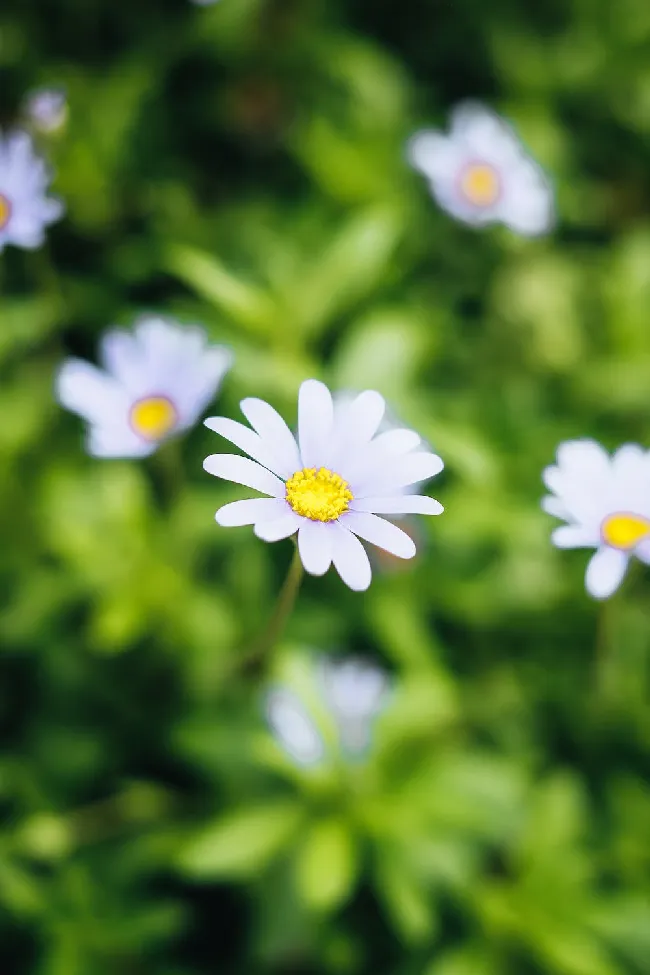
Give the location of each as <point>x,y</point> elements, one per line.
<point>153,417</point>
<point>5,211</point>
<point>624,530</point>
<point>480,184</point>
<point>318,494</point>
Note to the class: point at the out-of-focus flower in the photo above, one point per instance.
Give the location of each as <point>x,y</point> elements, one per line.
<point>25,209</point>
<point>293,728</point>
<point>329,488</point>
<point>354,693</point>
<point>204,3</point>
<point>46,109</point>
<point>606,503</point>
<point>157,383</point>
<point>481,174</point>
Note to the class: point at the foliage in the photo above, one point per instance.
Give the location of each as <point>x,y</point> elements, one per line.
<point>242,165</point>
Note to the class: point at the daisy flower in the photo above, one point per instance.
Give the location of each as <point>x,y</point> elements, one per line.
<point>25,210</point>
<point>481,174</point>
<point>331,484</point>
<point>606,502</point>
<point>47,109</point>
<point>156,383</point>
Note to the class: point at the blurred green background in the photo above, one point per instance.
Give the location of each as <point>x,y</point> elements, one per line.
<point>242,165</point>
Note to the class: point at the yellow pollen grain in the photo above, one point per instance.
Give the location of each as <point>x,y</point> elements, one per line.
<point>153,417</point>
<point>624,530</point>
<point>480,184</point>
<point>5,211</point>
<point>320,495</point>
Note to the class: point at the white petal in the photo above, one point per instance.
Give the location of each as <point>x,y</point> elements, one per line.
<point>122,358</point>
<point>554,506</point>
<point>384,451</point>
<point>273,531</point>
<point>315,416</point>
<point>244,471</point>
<point>274,431</point>
<point>485,134</point>
<point>246,440</point>
<point>355,426</point>
<point>249,512</point>
<point>527,205</point>
<point>315,546</point>
<point>642,551</point>
<point>435,155</point>
<point>399,504</point>
<point>350,559</point>
<point>605,572</point>
<point>408,470</point>
<point>200,382</point>
<point>380,532</point>
<point>293,727</point>
<point>86,390</point>
<point>575,536</point>
<point>117,441</point>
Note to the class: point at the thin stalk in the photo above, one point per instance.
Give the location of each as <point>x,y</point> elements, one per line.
<point>255,659</point>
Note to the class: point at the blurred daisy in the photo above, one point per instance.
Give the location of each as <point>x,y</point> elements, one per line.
<point>25,210</point>
<point>331,485</point>
<point>157,381</point>
<point>46,109</point>
<point>356,692</point>
<point>606,502</point>
<point>481,174</point>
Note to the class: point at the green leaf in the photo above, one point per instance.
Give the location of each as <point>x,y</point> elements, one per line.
<point>242,301</point>
<point>327,864</point>
<point>240,844</point>
<point>405,896</point>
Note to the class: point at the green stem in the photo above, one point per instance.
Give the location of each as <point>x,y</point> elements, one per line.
<point>255,659</point>
<point>602,662</point>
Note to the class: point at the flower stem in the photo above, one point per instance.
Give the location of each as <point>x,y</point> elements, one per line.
<point>255,659</point>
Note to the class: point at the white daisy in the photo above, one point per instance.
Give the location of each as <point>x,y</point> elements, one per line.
<point>25,210</point>
<point>481,174</point>
<point>157,382</point>
<point>331,485</point>
<point>606,502</point>
<point>47,109</point>
<point>356,692</point>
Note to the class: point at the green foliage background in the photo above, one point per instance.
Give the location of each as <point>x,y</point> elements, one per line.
<point>242,165</point>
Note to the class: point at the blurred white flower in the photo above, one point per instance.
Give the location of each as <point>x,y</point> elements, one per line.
<point>293,728</point>
<point>481,174</point>
<point>46,109</point>
<point>157,383</point>
<point>25,209</point>
<point>606,502</point>
<point>331,487</point>
<point>356,692</point>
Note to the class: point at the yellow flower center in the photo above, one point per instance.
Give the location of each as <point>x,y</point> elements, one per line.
<point>318,494</point>
<point>624,530</point>
<point>5,211</point>
<point>480,184</point>
<point>153,417</point>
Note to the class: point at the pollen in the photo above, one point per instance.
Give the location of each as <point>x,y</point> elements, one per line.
<point>480,184</point>
<point>154,417</point>
<point>319,495</point>
<point>624,530</point>
<point>5,211</point>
